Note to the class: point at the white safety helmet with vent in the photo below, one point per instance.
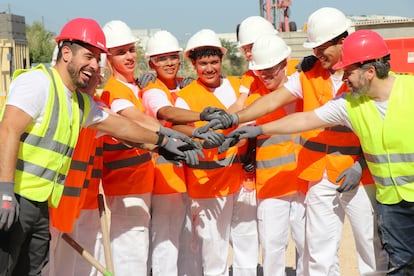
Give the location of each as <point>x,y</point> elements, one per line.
<point>252,27</point>
<point>117,33</point>
<point>202,38</point>
<point>268,50</point>
<point>161,42</point>
<point>325,24</point>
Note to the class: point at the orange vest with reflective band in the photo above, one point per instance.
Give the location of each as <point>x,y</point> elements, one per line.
<point>333,149</point>
<point>276,173</point>
<point>168,177</point>
<point>125,170</point>
<point>63,217</point>
<point>251,81</point>
<point>89,199</point>
<point>217,174</point>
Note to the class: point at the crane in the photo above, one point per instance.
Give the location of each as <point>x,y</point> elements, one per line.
<point>277,12</point>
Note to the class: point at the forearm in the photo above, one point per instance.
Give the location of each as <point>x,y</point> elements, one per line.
<point>177,115</point>
<point>294,123</point>
<point>9,147</point>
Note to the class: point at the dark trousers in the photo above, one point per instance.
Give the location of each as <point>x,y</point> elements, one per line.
<point>396,229</point>
<point>24,249</point>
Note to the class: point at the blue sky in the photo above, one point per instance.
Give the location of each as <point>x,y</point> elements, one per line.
<point>185,17</point>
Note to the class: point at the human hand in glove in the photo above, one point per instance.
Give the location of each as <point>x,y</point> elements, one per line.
<point>178,135</point>
<point>176,151</point>
<point>238,134</point>
<point>223,122</point>
<point>185,82</point>
<point>352,176</point>
<point>211,139</point>
<point>9,207</point>
<point>145,78</point>
<point>306,63</point>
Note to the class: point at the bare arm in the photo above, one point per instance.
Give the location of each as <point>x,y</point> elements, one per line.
<point>295,123</point>
<point>141,118</point>
<point>10,132</point>
<point>177,115</point>
<point>266,104</point>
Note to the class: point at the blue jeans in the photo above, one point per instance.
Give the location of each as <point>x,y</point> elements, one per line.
<point>396,229</point>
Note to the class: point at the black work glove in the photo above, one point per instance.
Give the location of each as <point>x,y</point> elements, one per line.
<point>249,159</point>
<point>145,78</point>
<point>352,176</point>
<point>9,207</point>
<point>175,151</point>
<point>178,135</point>
<point>185,82</point>
<point>306,63</point>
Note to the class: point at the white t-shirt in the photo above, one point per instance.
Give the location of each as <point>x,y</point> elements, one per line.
<point>221,92</point>
<point>154,99</point>
<point>118,105</point>
<point>29,92</point>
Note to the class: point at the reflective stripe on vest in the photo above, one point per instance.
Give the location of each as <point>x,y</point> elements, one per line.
<point>388,142</point>
<point>329,149</point>
<point>46,149</point>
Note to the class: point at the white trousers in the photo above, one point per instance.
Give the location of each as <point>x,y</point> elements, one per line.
<point>325,213</point>
<point>64,260</point>
<point>168,213</point>
<point>130,218</point>
<point>275,217</point>
<point>215,219</point>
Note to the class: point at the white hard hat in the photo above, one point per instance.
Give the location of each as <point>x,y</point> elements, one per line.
<point>252,27</point>
<point>325,24</point>
<point>160,43</point>
<point>204,37</point>
<point>117,33</point>
<point>267,51</point>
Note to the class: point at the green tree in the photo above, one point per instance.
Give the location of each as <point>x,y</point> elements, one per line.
<point>234,63</point>
<point>41,43</point>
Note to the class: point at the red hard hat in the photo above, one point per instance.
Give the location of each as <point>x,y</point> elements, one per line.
<point>361,46</point>
<point>85,30</point>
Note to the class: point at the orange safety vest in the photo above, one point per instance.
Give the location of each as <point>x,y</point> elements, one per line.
<point>217,174</point>
<point>168,177</point>
<point>89,199</point>
<point>333,149</point>
<point>251,81</point>
<point>63,217</point>
<point>125,170</point>
<point>276,173</point>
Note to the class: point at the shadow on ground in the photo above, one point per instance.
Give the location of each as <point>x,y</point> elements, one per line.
<point>289,271</point>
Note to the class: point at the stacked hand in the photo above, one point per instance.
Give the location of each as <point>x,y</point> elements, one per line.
<point>9,207</point>
<point>211,139</point>
<point>178,135</point>
<point>145,78</point>
<point>240,133</point>
<point>352,176</point>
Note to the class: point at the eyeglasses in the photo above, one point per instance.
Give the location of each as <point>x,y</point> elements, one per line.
<point>270,72</point>
<point>172,59</point>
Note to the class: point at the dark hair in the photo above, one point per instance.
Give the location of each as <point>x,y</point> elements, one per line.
<point>382,66</point>
<point>205,51</point>
<point>73,45</point>
<point>336,39</point>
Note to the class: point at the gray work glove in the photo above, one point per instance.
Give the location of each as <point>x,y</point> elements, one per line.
<point>209,113</point>
<point>145,78</point>
<point>9,207</point>
<point>306,63</point>
<point>211,139</point>
<point>240,133</point>
<point>352,176</point>
<point>175,151</point>
<point>185,82</point>
<point>178,135</point>
<point>224,122</point>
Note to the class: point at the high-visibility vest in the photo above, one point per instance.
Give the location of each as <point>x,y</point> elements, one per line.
<point>217,174</point>
<point>125,170</point>
<point>388,143</point>
<point>276,173</point>
<point>169,178</point>
<point>333,149</point>
<point>46,149</point>
<point>251,81</point>
<point>63,217</point>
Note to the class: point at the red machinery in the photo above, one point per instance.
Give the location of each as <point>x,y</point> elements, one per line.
<point>277,12</point>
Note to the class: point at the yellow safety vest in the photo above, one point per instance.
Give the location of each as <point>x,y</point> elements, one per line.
<point>46,149</point>
<point>388,144</point>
